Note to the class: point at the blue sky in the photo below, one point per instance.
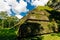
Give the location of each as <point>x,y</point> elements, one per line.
<point>19,8</point>
<point>29,6</point>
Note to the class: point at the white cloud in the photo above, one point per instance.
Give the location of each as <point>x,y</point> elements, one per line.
<point>21,7</point>
<point>12,2</point>
<point>38,2</point>
<point>19,16</point>
<point>6,5</point>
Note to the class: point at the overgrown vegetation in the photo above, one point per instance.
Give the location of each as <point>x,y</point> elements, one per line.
<point>7,21</point>
<point>7,34</point>
<point>45,20</point>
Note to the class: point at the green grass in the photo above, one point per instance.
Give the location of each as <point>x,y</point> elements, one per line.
<point>49,37</point>
<point>8,34</point>
<point>53,36</point>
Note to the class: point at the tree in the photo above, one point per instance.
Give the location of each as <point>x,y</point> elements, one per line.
<point>54,4</point>
<point>12,20</point>
<point>7,21</point>
<point>3,16</point>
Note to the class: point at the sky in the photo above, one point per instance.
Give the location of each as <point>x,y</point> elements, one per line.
<point>19,8</point>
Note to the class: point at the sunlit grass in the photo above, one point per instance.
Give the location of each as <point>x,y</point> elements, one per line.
<point>54,36</point>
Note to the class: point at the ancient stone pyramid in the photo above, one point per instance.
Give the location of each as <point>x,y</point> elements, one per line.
<point>36,23</point>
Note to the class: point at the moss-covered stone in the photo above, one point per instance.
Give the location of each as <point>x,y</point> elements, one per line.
<point>38,22</point>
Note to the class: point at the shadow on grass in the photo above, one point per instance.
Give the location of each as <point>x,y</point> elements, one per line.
<point>6,34</point>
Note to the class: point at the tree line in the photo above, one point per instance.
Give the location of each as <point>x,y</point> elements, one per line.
<point>7,21</point>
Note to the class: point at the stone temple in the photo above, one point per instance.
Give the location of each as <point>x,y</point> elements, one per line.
<point>37,22</point>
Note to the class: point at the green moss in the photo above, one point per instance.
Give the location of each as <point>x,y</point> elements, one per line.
<point>43,8</point>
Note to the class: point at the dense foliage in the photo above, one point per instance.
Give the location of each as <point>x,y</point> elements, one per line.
<point>54,4</point>
<point>7,21</point>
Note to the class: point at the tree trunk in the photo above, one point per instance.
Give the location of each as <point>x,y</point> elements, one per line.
<point>2,23</point>
<point>9,23</point>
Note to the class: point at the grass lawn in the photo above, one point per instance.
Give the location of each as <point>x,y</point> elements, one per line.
<point>54,36</point>
<point>8,34</point>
